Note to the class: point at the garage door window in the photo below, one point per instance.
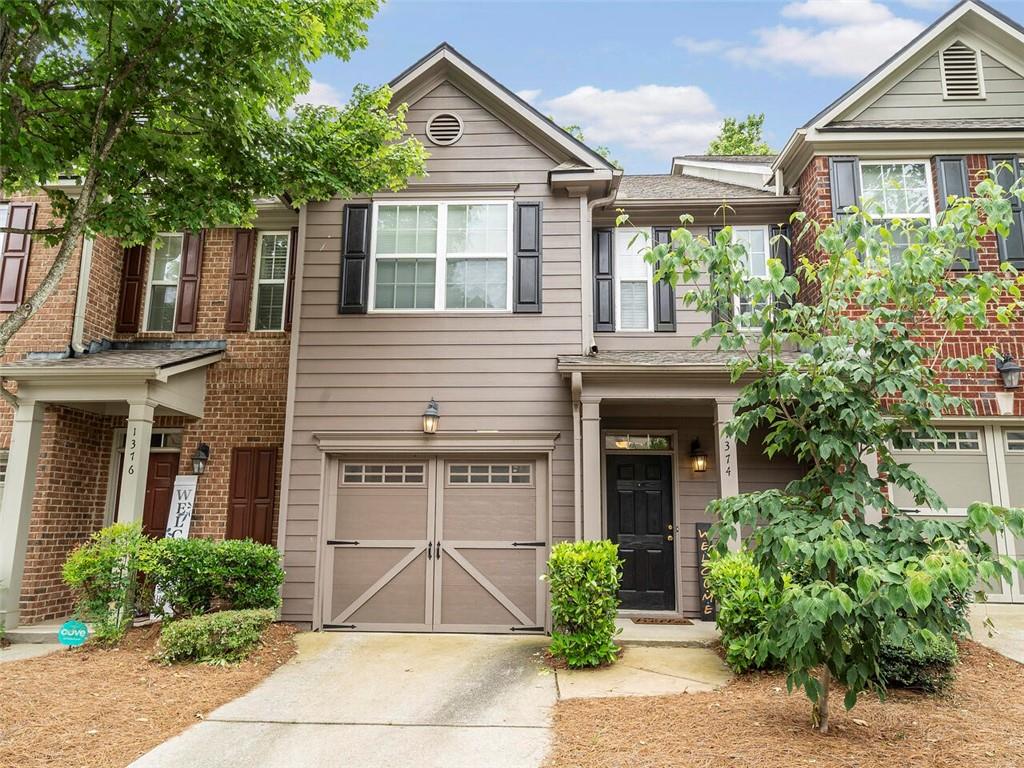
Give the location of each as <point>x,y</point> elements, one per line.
<point>383,474</point>
<point>950,441</point>
<point>489,474</point>
<point>1015,441</point>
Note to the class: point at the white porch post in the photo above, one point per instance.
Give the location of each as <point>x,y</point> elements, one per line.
<point>591,469</point>
<point>132,499</point>
<point>872,515</point>
<point>728,466</point>
<point>16,510</point>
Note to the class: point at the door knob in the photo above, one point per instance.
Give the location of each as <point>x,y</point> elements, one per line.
<point>669,537</point>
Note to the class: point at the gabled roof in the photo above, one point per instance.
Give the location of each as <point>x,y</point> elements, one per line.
<point>445,61</point>
<point>677,187</point>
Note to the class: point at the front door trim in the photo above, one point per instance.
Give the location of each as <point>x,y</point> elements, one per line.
<point>114,468</point>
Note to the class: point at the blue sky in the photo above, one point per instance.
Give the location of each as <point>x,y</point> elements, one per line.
<point>649,79</point>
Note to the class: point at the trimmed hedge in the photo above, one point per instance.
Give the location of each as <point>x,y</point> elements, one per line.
<point>214,638</point>
<point>927,666</point>
<point>584,578</point>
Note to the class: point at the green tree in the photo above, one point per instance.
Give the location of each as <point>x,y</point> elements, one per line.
<point>835,382</point>
<point>740,137</point>
<point>178,114</point>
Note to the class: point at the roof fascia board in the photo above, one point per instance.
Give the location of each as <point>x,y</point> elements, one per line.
<point>485,85</point>
<point>754,169</point>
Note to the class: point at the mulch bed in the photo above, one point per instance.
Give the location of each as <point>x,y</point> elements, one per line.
<point>753,722</point>
<point>106,707</point>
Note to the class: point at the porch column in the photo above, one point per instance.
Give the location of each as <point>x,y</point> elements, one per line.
<point>728,469</point>
<point>132,498</point>
<point>16,509</point>
<point>591,469</point>
<point>872,515</point>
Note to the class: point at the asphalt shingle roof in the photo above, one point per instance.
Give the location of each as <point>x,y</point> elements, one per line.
<point>670,187</point>
<point>115,359</point>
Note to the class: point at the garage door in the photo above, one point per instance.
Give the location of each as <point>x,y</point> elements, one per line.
<point>973,463</point>
<point>436,544</point>
<point>1013,466</point>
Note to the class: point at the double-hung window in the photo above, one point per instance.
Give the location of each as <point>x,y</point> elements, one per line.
<point>634,282</point>
<point>270,285</point>
<point>755,242</point>
<point>903,189</point>
<point>442,256</point>
<point>162,291</point>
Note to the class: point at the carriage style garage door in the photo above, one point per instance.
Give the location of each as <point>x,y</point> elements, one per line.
<point>976,463</point>
<point>436,544</point>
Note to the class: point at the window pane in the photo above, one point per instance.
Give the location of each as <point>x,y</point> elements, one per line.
<point>167,258</point>
<point>161,308</point>
<point>269,307</point>
<point>273,257</point>
<point>633,305</point>
<point>476,284</point>
<point>477,229</point>
<point>409,229</point>
<point>404,284</point>
<point>756,246</point>
<point>900,188</point>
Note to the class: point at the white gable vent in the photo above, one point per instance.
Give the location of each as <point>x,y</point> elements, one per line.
<point>961,73</point>
<point>444,128</point>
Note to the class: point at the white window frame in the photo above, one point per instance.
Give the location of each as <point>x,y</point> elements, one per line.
<point>492,477</point>
<point>151,258</point>
<point>257,282</point>
<point>954,445</point>
<point>408,473</point>
<point>5,212</point>
<point>766,231</point>
<point>1007,441</point>
<point>901,161</point>
<point>440,259</point>
<point>617,271</point>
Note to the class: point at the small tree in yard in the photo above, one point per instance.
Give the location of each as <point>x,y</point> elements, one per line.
<point>862,379</point>
<point>176,114</point>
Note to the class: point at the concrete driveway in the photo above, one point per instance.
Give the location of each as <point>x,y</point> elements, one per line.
<point>383,700</point>
<point>1007,632</point>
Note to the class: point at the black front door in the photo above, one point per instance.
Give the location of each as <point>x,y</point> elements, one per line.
<point>640,522</point>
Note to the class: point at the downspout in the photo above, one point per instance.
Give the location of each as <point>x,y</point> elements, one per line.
<point>577,454</point>
<point>82,296</point>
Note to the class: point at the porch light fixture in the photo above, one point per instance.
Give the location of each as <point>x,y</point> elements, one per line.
<point>199,459</point>
<point>698,456</point>
<point>1009,369</point>
<point>431,417</point>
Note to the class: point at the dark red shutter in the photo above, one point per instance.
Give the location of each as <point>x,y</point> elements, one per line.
<point>133,283</point>
<point>251,494</point>
<point>293,264</point>
<point>188,282</point>
<point>14,261</point>
<point>240,280</point>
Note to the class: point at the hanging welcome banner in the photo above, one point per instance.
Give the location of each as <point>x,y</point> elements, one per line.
<point>183,501</point>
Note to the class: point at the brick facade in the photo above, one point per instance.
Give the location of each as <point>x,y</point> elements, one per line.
<point>244,406</point>
<point>981,386</point>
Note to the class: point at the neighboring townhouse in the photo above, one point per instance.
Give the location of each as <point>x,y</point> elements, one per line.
<point>928,123</point>
<point>144,361</point>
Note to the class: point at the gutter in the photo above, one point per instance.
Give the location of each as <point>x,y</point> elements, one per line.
<point>82,296</point>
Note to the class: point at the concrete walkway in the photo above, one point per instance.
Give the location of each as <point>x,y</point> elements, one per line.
<point>1007,632</point>
<point>19,651</point>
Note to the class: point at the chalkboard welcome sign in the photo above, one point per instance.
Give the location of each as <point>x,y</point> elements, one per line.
<point>708,609</point>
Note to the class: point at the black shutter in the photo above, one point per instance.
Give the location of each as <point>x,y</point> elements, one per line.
<point>1011,247</point>
<point>664,293</point>
<point>528,244</point>
<point>781,249</point>
<point>724,310</point>
<point>954,181</point>
<point>604,280</point>
<point>355,259</point>
<point>844,176</point>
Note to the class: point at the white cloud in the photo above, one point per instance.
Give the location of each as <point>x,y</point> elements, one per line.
<point>529,94</point>
<point>321,93</point>
<point>700,45</point>
<point>830,37</point>
<point>660,119</point>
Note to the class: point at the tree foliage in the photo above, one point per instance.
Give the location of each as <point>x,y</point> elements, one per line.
<point>574,130</point>
<point>740,137</point>
<point>837,381</point>
<point>178,114</point>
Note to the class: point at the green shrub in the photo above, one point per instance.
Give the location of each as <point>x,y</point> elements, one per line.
<point>214,638</point>
<point>195,576</point>
<point>584,578</point>
<point>926,665</point>
<point>103,575</point>
<point>746,603</point>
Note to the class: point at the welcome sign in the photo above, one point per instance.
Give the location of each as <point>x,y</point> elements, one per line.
<point>183,501</point>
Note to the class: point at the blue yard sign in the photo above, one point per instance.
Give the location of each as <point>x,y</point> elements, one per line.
<point>73,633</point>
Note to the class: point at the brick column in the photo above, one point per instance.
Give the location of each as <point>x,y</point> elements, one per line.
<point>135,470</point>
<point>728,464</point>
<point>16,508</point>
<point>592,469</point>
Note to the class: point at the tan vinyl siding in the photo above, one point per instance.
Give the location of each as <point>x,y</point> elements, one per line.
<point>919,96</point>
<point>488,371</point>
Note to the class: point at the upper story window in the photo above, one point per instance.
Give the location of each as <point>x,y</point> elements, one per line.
<point>162,290</point>
<point>634,282</point>
<point>903,189</point>
<point>442,256</point>
<point>755,242</point>
<point>270,285</point>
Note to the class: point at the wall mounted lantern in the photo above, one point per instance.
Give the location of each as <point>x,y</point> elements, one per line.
<point>199,459</point>
<point>1009,369</point>
<point>698,456</point>
<point>431,417</point>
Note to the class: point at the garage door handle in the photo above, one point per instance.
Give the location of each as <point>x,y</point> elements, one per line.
<point>340,541</point>
<point>528,543</point>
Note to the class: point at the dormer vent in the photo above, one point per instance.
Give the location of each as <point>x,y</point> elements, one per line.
<point>961,72</point>
<point>444,128</point>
